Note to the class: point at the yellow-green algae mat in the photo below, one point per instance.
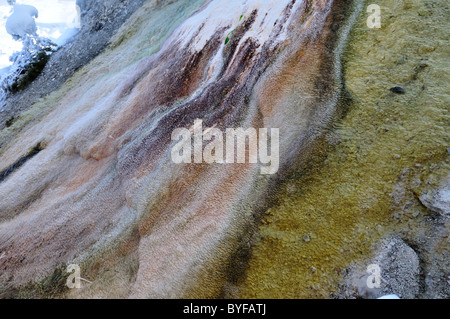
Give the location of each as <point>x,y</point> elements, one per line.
<point>341,206</point>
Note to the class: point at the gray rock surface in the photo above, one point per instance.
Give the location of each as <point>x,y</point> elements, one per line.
<point>399,269</point>
<point>437,199</point>
<point>420,240</point>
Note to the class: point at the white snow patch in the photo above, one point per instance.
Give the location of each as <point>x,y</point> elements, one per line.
<point>21,23</point>
<point>390,297</point>
<point>57,20</point>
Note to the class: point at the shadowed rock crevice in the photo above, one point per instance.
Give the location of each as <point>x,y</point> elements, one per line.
<point>19,163</point>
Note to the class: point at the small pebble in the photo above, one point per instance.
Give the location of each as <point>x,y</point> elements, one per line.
<point>398,90</point>
<point>402,60</point>
<point>306,238</point>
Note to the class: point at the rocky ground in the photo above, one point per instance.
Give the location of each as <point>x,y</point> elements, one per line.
<point>414,254</point>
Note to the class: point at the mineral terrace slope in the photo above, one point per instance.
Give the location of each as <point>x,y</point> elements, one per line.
<point>103,192</point>
<point>388,154</point>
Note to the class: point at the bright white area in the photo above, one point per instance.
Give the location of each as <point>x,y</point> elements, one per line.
<point>57,20</point>
<point>390,297</point>
<point>232,13</point>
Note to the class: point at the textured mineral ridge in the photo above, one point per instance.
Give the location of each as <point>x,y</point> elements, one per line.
<point>103,193</point>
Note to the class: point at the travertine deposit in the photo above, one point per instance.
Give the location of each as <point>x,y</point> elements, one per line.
<point>100,189</point>
<point>86,175</point>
